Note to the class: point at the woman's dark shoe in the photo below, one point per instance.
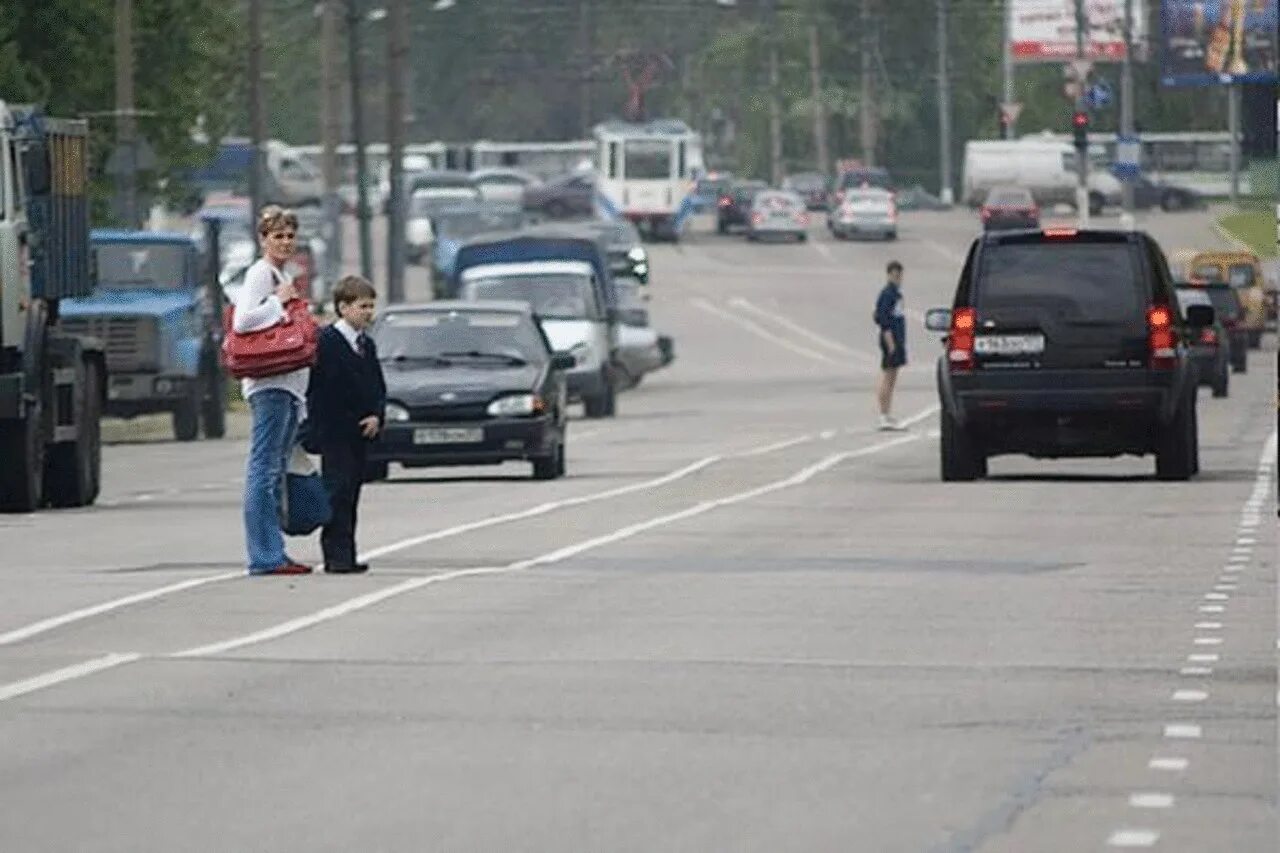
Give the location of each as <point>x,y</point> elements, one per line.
<point>354,569</point>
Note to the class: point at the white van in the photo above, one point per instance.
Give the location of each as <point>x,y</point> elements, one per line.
<point>1047,167</point>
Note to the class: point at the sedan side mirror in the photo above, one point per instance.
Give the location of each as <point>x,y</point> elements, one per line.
<point>1200,315</point>
<point>938,319</point>
<point>563,361</point>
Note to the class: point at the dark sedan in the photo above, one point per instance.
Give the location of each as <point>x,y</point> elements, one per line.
<point>470,384</point>
<point>565,197</point>
<point>813,187</point>
<point>1170,197</point>
<point>734,207</point>
<point>1009,208</point>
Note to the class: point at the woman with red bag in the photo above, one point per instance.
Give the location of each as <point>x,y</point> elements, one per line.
<point>277,402</point>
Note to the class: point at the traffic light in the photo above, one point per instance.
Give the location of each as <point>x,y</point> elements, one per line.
<point>1080,129</point>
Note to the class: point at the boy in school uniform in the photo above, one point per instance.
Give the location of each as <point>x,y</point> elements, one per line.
<point>345,403</point>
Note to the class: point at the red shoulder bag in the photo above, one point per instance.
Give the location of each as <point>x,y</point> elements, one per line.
<point>283,348</point>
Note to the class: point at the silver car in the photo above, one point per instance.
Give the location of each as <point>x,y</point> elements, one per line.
<point>778,213</point>
<point>868,210</point>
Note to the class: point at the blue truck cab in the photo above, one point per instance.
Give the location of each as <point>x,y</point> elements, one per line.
<point>161,339</point>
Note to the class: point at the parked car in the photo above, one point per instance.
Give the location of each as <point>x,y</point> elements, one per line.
<point>565,197</point>
<point>470,383</point>
<point>813,187</point>
<point>1009,207</point>
<point>865,211</point>
<point>734,207</point>
<point>778,213</point>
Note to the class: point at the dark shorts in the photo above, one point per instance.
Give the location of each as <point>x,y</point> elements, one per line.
<point>896,360</point>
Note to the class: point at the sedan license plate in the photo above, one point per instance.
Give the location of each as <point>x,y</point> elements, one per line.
<point>1009,344</point>
<point>449,435</point>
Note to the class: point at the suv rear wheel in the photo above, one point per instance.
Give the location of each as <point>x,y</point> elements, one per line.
<point>1178,453</point>
<point>962,461</point>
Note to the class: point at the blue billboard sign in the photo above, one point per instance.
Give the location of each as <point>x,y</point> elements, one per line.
<point>1214,42</point>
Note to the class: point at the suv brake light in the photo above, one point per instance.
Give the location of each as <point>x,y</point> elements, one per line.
<point>1163,351</point>
<point>964,322</point>
<point>1208,336</point>
<point>1060,233</point>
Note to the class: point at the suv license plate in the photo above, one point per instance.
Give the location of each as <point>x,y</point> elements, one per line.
<point>452,435</point>
<point>1009,344</point>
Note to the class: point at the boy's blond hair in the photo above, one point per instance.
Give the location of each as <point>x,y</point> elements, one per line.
<point>352,288</point>
<point>273,217</point>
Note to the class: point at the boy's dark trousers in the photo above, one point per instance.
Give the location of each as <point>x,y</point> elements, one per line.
<point>342,468</point>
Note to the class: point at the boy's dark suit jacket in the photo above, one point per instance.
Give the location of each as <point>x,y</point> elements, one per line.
<point>345,389</point>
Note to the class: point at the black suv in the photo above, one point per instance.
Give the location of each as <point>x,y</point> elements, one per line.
<point>1066,343</point>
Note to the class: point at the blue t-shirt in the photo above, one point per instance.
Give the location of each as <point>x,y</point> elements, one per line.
<point>891,316</point>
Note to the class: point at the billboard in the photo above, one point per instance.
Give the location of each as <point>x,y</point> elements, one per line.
<point>1045,30</point>
<point>1209,42</point>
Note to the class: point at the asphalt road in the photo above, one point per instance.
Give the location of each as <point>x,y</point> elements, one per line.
<point>745,621</point>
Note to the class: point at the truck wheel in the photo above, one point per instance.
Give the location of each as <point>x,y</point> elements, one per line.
<point>1175,453</point>
<point>21,475</point>
<point>961,459</point>
<point>73,470</point>
<point>214,403</point>
<point>604,404</point>
<point>186,415</point>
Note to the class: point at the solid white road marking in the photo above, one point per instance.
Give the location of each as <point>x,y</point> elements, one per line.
<point>35,628</point>
<point>1170,764</point>
<point>1133,838</point>
<point>1183,731</point>
<point>1151,800</point>
<point>1190,695</point>
<point>67,673</point>
<point>788,323</point>
<point>760,331</point>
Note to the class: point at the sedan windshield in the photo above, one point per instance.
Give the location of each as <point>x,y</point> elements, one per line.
<point>446,337</point>
<point>553,296</point>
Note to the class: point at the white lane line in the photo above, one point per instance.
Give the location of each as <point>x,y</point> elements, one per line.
<point>1196,670</point>
<point>945,251</point>
<point>1207,641</point>
<point>1206,657</point>
<point>1216,596</point>
<point>827,434</point>
<point>1183,731</point>
<point>780,445</point>
<point>760,331</point>
<point>67,673</point>
<point>822,250</point>
<point>1208,626</point>
<point>786,322</point>
<point>1238,558</point>
<point>28,631</point>
<point>1151,800</point>
<point>1233,567</point>
<point>1225,587</point>
<point>1246,540</point>
<point>1133,838</point>
<point>1190,695</point>
<point>1212,608</point>
<point>1172,764</point>
<point>558,555</point>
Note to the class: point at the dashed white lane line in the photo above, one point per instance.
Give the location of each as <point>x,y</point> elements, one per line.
<point>1208,626</point>
<point>1212,608</point>
<point>1170,764</point>
<point>1183,731</point>
<point>67,673</point>
<point>36,628</point>
<point>1207,641</point>
<point>1151,800</point>
<point>761,332</point>
<point>822,250</point>
<point>1216,596</point>
<point>1197,671</point>
<point>1133,838</point>
<point>1226,587</point>
<point>363,601</point>
<point>1190,695</point>
<point>1204,657</point>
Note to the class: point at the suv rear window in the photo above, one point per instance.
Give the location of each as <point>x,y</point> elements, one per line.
<point>1084,282</point>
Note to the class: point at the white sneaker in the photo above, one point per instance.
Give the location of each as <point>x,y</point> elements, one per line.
<point>888,424</point>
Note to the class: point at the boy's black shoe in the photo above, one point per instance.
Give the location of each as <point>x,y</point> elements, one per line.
<point>355,569</point>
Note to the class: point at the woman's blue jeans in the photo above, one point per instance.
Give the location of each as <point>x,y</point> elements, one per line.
<point>275,423</point>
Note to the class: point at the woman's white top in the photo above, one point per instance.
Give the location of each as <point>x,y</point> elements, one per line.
<point>258,308</point>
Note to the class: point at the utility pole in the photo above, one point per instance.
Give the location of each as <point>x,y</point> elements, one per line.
<point>397,54</point>
<point>256,110</point>
<point>586,51</point>
<point>946,194</point>
<point>1082,157</point>
<point>819,108</point>
<point>330,128</point>
<point>357,137</point>
<point>866,115</point>
<point>1233,124</point>
<point>1007,65</point>
<point>126,120</point>
<point>775,103</point>
<point>1126,100</point>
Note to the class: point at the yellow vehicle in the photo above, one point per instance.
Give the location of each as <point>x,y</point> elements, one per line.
<point>1242,270</point>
